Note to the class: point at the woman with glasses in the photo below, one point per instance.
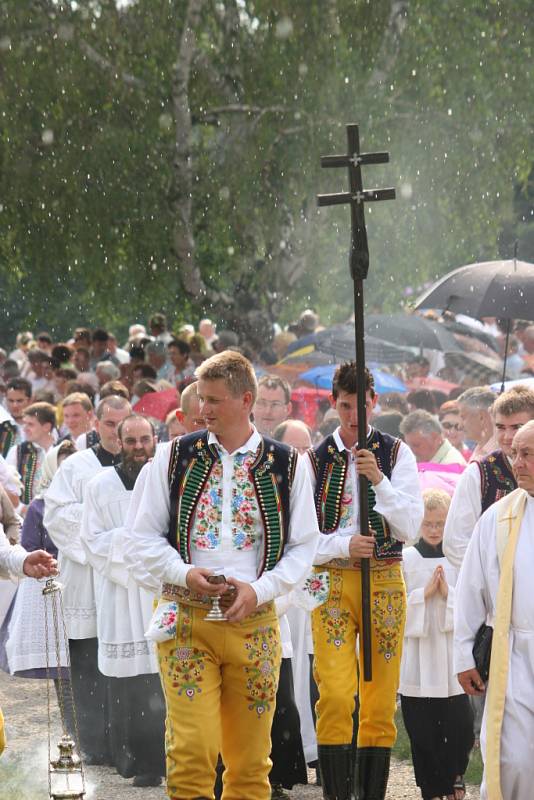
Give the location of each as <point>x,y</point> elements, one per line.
<point>453,427</point>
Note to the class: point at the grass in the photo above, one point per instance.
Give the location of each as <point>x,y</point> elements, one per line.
<point>402,752</point>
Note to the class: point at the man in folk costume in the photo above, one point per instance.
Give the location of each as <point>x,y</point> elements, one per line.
<point>227,500</point>
<point>39,423</point>
<point>496,582</point>
<point>62,519</point>
<point>16,562</point>
<point>488,480</point>
<point>8,432</point>
<point>123,612</point>
<point>395,514</point>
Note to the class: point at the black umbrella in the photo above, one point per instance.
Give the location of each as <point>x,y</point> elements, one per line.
<point>339,342</point>
<point>411,330</point>
<point>503,289</point>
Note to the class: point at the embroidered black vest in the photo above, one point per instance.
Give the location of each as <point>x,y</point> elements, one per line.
<point>496,478</point>
<point>331,467</point>
<point>8,435</point>
<point>190,464</point>
<point>27,463</point>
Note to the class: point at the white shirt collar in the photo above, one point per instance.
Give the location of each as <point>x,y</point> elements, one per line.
<point>339,441</point>
<point>250,446</point>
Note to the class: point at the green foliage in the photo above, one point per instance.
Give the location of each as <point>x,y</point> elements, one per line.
<point>87,144</point>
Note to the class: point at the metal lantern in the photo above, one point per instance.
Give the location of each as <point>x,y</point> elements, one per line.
<point>66,773</point>
<point>66,778</point>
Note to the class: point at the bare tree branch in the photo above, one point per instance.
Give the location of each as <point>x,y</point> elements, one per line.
<point>181,192</point>
<point>106,65</point>
<point>390,48</point>
<point>211,114</point>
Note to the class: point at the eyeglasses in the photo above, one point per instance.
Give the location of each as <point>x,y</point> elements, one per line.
<point>274,404</point>
<point>452,426</point>
<point>433,526</point>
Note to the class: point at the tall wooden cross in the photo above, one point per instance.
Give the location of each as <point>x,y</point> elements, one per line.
<point>357,196</point>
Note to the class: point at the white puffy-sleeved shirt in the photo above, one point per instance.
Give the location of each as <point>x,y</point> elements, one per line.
<point>398,500</point>
<point>427,668</point>
<point>12,557</point>
<point>62,519</point>
<point>9,477</point>
<point>123,609</point>
<point>464,512</point>
<point>227,531</point>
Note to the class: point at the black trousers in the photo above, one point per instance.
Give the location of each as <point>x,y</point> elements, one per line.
<point>287,753</point>
<point>89,688</point>
<point>441,738</point>
<point>137,725</point>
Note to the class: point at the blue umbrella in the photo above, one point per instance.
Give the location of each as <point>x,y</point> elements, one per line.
<point>322,377</point>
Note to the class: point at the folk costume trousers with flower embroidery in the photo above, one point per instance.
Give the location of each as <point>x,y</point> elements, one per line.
<point>220,681</point>
<point>336,625</point>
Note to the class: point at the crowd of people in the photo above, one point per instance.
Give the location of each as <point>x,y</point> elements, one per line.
<point>182,468</point>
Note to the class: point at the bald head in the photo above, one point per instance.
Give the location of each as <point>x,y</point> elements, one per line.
<point>295,433</point>
<point>522,455</point>
<point>189,412</point>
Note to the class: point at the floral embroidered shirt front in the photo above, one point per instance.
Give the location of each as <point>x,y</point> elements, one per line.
<point>227,526</point>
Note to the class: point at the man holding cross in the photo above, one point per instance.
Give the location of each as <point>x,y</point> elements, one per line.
<point>395,514</point>
<point>366,486</point>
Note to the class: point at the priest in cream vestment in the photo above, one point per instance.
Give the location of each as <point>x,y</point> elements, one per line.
<point>495,586</point>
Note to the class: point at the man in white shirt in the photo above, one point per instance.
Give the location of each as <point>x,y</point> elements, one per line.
<point>224,500</point>
<point>62,519</point>
<point>273,405</point>
<point>123,612</point>
<point>78,415</point>
<point>18,397</point>
<point>395,514</point>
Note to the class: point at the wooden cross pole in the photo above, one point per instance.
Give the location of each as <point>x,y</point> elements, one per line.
<point>357,196</point>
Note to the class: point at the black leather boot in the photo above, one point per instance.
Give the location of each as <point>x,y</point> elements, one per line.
<point>335,764</point>
<point>372,772</point>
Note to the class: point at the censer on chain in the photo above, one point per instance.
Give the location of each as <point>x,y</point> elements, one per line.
<point>66,777</point>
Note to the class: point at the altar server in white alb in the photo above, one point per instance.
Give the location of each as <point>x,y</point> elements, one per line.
<point>62,519</point>
<point>435,709</point>
<point>123,612</point>
<point>496,582</point>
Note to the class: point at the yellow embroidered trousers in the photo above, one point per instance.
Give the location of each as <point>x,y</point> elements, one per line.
<point>220,681</point>
<point>336,625</point>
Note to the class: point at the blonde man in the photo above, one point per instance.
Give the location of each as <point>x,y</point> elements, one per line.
<point>78,416</point>
<point>224,500</point>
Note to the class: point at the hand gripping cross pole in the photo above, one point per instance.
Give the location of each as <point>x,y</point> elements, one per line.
<point>359,267</point>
